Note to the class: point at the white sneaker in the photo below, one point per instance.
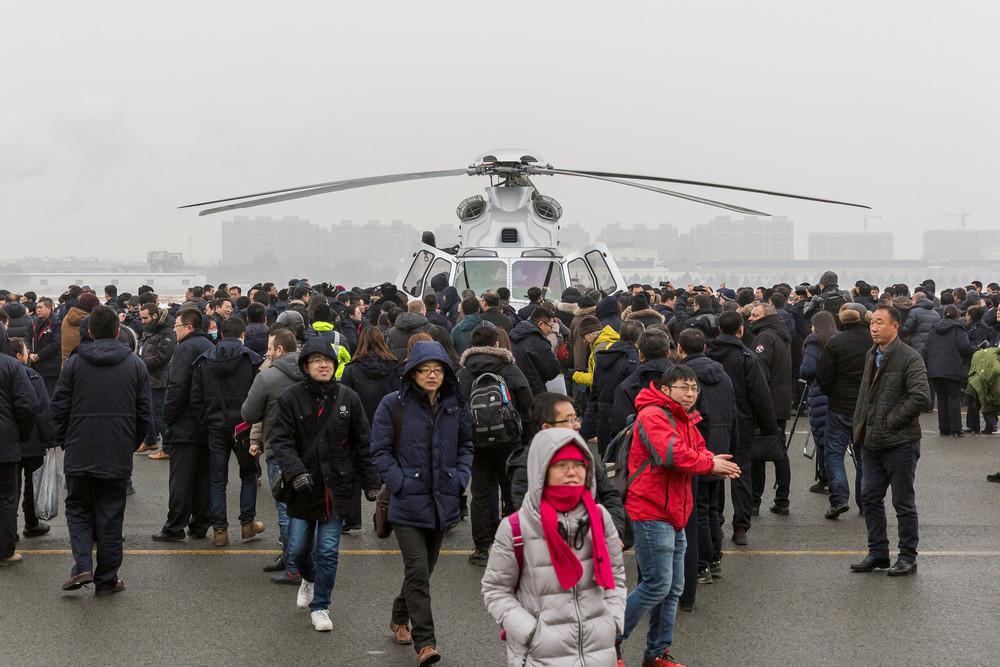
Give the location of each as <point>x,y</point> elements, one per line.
<point>321,620</point>
<point>305,595</point>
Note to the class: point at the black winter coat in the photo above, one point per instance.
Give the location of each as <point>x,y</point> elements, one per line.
<point>754,409</point>
<point>534,356</point>
<point>891,398</point>
<point>407,324</point>
<point>607,493</point>
<point>919,322</point>
<point>101,408</point>
<point>181,416</point>
<point>817,401</point>
<point>156,347</point>
<point>716,404</point>
<point>981,335</point>
<point>842,365</point>
<point>256,338</point>
<point>17,408</point>
<point>498,319</point>
<point>20,324</point>
<point>479,360</point>
<point>340,464</point>
<point>650,370</point>
<point>222,379</point>
<point>772,344</point>
<point>434,462</point>
<point>47,344</point>
<point>43,436</point>
<point>948,351</point>
<point>612,366</point>
<point>372,379</point>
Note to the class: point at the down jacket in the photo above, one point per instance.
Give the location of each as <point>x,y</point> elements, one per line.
<point>43,436</point>
<point>948,351</point>
<point>20,324</point>
<point>222,379</point>
<point>17,409</point>
<point>434,462</point>
<point>753,399</point>
<point>179,414</point>
<point>546,625</point>
<point>716,404</point>
<point>773,346</point>
<point>270,383</point>
<point>371,377</point>
<point>817,400</point>
<point>479,360</point>
<point>534,355</point>
<point>918,323</point>
<point>891,398</point>
<point>46,342</point>
<point>71,331</point>
<point>156,347</point>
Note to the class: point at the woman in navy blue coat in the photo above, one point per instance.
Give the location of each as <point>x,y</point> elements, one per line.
<point>422,448</point>
<point>824,327</point>
<point>947,354</point>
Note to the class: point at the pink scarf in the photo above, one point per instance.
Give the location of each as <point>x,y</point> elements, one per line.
<point>566,564</point>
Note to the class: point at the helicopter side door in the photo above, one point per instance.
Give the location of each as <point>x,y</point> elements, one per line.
<point>594,268</point>
<point>425,263</point>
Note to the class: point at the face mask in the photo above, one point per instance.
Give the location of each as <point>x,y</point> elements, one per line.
<point>213,334</point>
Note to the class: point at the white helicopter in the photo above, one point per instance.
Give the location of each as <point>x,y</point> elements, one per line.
<point>510,237</point>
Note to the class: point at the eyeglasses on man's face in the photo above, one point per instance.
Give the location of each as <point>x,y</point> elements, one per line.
<point>686,388</point>
<point>571,420</point>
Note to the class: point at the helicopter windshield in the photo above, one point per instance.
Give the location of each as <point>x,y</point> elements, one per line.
<point>541,274</point>
<point>481,275</point>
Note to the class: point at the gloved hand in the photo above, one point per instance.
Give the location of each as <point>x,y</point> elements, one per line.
<point>303,483</point>
<point>371,495</point>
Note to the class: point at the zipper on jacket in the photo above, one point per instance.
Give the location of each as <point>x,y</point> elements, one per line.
<point>579,620</point>
<point>531,635</point>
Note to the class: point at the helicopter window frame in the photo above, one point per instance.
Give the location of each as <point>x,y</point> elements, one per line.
<point>433,271</point>
<point>413,289</point>
<point>571,267</point>
<point>556,283</point>
<point>602,272</point>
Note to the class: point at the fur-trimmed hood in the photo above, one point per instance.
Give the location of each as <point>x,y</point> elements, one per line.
<point>583,312</point>
<point>505,355</point>
<point>641,314</point>
<point>566,307</point>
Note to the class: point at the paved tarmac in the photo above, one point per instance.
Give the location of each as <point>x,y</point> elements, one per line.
<point>785,599</point>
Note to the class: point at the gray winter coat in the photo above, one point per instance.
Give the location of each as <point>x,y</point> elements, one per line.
<point>269,384</point>
<point>919,322</point>
<point>406,325</point>
<point>545,625</point>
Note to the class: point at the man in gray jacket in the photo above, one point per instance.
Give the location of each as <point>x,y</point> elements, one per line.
<point>278,373</point>
<point>894,391</point>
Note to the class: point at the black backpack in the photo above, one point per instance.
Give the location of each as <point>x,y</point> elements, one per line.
<point>617,454</point>
<point>495,421</point>
<point>832,304</point>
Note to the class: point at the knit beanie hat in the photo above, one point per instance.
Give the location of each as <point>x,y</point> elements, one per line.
<point>570,295</point>
<point>89,301</point>
<point>640,302</point>
<point>589,324</point>
<point>828,278</point>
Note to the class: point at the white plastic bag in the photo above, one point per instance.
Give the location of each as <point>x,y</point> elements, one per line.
<point>48,484</point>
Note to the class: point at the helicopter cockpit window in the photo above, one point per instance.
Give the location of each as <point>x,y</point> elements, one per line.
<point>481,275</point>
<point>441,265</point>
<point>579,274</point>
<point>605,281</point>
<point>535,274</point>
<point>411,285</point>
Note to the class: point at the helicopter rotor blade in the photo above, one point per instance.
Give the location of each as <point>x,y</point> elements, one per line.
<point>608,174</point>
<point>321,188</point>
<point>699,200</point>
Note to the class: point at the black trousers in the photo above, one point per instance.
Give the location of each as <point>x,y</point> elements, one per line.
<point>95,512</point>
<point>741,488</point>
<point>691,555</point>
<point>489,487</point>
<point>29,464</point>
<point>708,502</point>
<point>949,402</point>
<point>782,474</point>
<point>420,548</point>
<point>893,468</point>
<point>187,490</point>
<point>8,508</point>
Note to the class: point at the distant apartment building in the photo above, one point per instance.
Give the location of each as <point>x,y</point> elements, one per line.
<point>659,242</point>
<point>851,246</point>
<point>961,245</point>
<point>727,240</point>
<point>572,237</point>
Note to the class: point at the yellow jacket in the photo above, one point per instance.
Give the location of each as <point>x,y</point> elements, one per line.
<point>606,339</point>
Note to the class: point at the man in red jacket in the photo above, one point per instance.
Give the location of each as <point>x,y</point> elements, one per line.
<point>666,450</point>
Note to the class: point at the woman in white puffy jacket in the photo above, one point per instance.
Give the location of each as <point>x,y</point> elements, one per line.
<point>566,604</point>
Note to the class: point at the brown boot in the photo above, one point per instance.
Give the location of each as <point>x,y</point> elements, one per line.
<point>428,655</point>
<point>401,633</point>
<point>222,538</point>
<point>147,448</point>
<point>251,528</point>
<point>160,455</point>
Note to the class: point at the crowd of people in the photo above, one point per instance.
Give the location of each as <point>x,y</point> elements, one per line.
<point>458,405</point>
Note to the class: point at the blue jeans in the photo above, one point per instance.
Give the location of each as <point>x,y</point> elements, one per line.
<point>320,566</point>
<point>895,468</point>
<point>272,471</point>
<point>218,464</point>
<point>839,432</point>
<point>659,549</point>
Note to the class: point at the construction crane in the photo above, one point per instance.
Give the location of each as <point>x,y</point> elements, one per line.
<point>963,216</point>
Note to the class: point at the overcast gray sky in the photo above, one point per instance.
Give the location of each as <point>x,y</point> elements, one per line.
<point>114,113</point>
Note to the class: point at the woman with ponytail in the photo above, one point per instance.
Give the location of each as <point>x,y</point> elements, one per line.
<point>560,595</point>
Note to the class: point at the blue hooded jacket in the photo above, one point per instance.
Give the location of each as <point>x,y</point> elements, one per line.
<point>434,461</point>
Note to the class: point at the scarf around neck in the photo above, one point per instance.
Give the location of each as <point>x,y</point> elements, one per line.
<point>567,566</point>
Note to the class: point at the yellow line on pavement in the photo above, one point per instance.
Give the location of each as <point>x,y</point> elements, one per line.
<point>465,552</point>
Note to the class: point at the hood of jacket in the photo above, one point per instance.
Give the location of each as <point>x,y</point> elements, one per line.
<point>288,364</point>
<point>524,329</point>
<point>439,282</point>
<point>104,352</point>
<point>902,303</point>
<point>225,357</point>
<point>942,327</point>
<point>426,350</point>
<point>74,316</point>
<point>605,359</point>
<point>323,326</point>
<point>408,322</point>
<point>467,323</point>
<point>15,309</point>
<point>923,302</point>
<point>567,307</point>
<point>645,312</point>
<point>543,447</point>
<point>651,395</point>
<point>294,321</point>
<point>486,359</point>
<point>163,324</point>
<point>605,338</point>
<point>316,344</point>
<point>774,323</point>
<point>608,307</point>
<point>709,372</point>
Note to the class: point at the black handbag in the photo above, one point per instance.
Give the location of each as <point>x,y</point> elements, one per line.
<point>767,448</point>
<point>383,527</point>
